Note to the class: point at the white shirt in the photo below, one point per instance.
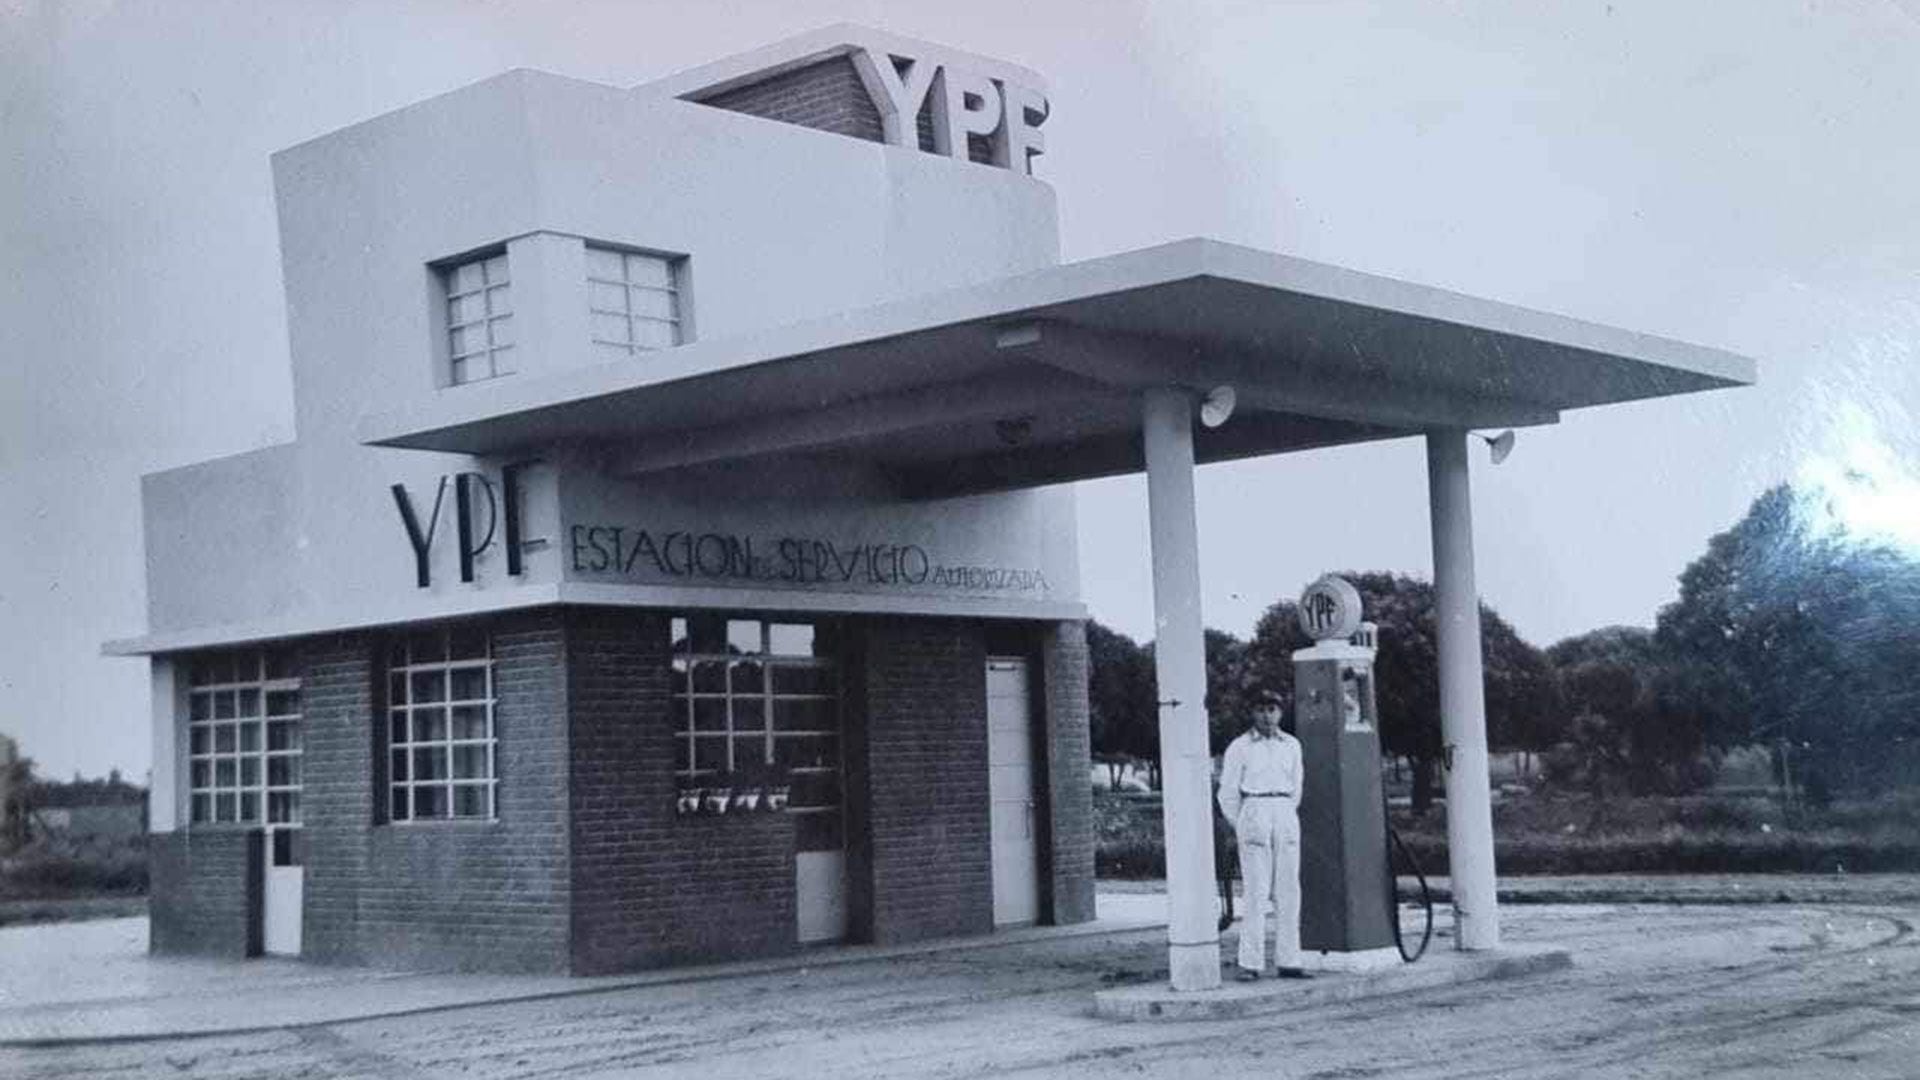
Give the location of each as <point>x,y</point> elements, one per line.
<point>1258,763</point>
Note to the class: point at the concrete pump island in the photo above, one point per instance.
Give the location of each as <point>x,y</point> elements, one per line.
<point>676,561</point>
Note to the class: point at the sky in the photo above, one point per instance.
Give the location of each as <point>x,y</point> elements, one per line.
<point>1736,176</point>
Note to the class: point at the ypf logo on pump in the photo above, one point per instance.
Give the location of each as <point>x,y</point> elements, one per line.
<point>1330,609</point>
<point>470,491</point>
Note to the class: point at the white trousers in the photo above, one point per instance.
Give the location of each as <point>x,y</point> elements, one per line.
<point>1269,835</point>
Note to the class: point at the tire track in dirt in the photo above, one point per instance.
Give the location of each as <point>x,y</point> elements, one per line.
<point>1535,1004</point>
<point>1659,993</point>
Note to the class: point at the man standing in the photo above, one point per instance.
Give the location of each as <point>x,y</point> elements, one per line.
<point>1260,781</point>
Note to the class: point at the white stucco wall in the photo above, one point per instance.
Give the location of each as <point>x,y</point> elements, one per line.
<point>222,538</point>
<point>1018,549</point>
<point>778,224</point>
<point>307,536</point>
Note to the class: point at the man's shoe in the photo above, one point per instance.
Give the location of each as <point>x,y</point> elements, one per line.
<point>1293,973</point>
<point>1245,975</point>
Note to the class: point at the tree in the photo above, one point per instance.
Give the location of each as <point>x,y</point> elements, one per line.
<point>1632,715</point>
<point>1524,711</point>
<point>1122,716</point>
<point>1231,695</point>
<point>1269,656</point>
<point>1520,690</point>
<point>15,799</point>
<point>1603,678</point>
<point>1804,636</point>
<point>1123,698</point>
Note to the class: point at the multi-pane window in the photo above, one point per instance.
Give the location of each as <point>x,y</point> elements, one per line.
<point>243,742</point>
<point>479,320</point>
<point>440,744</point>
<point>748,693</point>
<point>634,302</point>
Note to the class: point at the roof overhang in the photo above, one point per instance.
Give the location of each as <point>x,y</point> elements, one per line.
<point>402,611</point>
<point>1036,378</point>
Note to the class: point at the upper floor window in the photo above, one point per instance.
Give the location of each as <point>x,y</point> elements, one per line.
<point>634,301</point>
<point>479,320</point>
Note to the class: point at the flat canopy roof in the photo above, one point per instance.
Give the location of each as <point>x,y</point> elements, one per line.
<point>1035,379</point>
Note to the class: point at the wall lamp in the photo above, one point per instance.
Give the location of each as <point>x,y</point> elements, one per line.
<point>1498,446</point>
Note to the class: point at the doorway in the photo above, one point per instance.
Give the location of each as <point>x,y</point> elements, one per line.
<point>1016,871</point>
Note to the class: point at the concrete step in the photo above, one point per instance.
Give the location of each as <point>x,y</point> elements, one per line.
<point>1233,1000</point>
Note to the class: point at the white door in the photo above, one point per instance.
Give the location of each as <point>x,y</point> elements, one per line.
<point>805,737</point>
<point>285,849</point>
<point>820,895</point>
<point>284,893</point>
<point>1016,878</point>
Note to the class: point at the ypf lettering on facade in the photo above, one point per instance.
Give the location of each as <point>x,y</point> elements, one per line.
<point>861,82</point>
<point>965,105</point>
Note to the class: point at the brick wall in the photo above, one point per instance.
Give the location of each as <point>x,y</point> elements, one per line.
<point>205,892</point>
<point>856,782</point>
<point>828,96</point>
<point>650,887</point>
<point>463,895</point>
<point>336,798</point>
<point>929,856</point>
<point>588,868</point>
<point>1063,662</point>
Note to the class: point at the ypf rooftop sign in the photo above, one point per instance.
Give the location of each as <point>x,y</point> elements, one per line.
<point>965,97</point>
<point>965,102</point>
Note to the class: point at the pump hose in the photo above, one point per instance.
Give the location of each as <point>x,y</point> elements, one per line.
<point>1393,891</point>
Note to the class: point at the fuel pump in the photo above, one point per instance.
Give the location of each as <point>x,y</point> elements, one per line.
<point>1348,911</point>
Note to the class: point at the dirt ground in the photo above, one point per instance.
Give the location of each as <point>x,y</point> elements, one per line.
<point>1657,991</point>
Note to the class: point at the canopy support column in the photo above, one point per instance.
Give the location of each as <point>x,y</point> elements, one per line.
<point>1179,656</point>
<point>1463,707</point>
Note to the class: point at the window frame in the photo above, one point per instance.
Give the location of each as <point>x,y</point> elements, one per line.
<point>399,760</point>
<point>685,699</point>
<point>675,290</point>
<point>264,674</point>
<point>495,354</point>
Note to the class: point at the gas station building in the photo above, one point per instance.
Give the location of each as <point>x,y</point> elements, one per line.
<point>675,561</point>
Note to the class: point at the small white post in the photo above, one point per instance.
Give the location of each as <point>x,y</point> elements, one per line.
<point>1463,706</point>
<point>1180,666</point>
<point>166,796</point>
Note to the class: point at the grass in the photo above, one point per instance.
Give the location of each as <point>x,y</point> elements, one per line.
<point>70,909</point>
<point>1127,840</point>
<point>42,872</point>
<point>1553,833</point>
